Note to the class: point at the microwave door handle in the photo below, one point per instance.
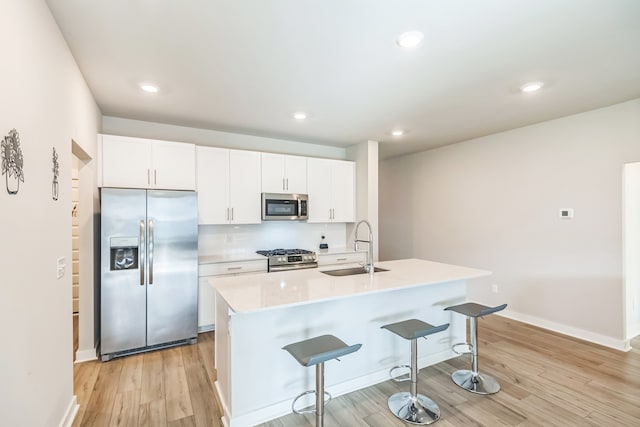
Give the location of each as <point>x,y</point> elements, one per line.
<point>141,246</point>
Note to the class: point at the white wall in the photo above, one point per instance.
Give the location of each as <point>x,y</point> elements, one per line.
<point>631,238</point>
<point>493,203</point>
<point>366,157</point>
<point>213,138</point>
<point>45,98</point>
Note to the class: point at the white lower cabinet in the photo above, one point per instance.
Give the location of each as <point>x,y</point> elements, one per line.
<point>341,259</point>
<point>206,294</point>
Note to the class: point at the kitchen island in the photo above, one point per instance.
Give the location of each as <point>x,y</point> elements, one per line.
<point>257,315</point>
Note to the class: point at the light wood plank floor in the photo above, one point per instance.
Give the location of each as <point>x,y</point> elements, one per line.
<point>547,380</point>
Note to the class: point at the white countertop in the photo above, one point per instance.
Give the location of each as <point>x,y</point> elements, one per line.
<point>263,291</point>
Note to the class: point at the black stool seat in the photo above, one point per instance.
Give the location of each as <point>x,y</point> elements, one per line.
<point>473,309</point>
<point>319,349</point>
<point>412,407</point>
<point>316,351</point>
<point>414,328</point>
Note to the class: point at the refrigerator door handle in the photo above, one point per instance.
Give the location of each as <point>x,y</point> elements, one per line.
<point>150,252</point>
<point>141,252</point>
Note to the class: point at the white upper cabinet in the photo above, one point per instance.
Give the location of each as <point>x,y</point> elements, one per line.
<point>142,163</point>
<point>331,189</point>
<point>284,174</point>
<point>228,186</point>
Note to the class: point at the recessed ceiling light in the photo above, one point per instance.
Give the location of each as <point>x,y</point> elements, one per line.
<point>398,132</point>
<point>409,39</point>
<point>149,88</point>
<point>300,115</point>
<point>531,86</point>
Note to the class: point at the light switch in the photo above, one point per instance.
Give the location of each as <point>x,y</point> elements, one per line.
<point>60,267</point>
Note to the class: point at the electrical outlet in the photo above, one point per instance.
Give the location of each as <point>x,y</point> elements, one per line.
<point>60,267</point>
<point>494,288</point>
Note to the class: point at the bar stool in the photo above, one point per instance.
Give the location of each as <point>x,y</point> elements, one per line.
<point>316,351</point>
<point>410,406</point>
<point>472,380</point>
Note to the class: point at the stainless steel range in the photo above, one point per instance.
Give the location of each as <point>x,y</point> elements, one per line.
<point>290,259</point>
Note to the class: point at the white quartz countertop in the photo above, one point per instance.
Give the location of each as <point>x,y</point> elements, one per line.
<point>255,292</point>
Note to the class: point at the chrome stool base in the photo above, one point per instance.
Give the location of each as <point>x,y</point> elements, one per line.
<point>419,410</point>
<point>475,383</point>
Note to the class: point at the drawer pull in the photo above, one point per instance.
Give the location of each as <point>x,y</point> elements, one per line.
<point>341,259</point>
<point>234,268</point>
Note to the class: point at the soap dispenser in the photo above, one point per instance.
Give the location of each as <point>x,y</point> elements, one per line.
<point>323,244</point>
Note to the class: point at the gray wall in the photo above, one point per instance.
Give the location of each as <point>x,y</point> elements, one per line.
<point>493,203</point>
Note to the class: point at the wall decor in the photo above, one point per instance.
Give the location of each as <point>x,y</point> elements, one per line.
<point>12,162</point>
<point>56,172</point>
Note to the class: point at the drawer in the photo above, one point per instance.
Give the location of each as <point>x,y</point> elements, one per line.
<point>234,267</point>
<point>343,258</point>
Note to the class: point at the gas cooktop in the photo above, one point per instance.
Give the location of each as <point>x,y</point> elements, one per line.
<point>290,259</point>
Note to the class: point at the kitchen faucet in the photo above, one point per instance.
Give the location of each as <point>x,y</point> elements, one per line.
<point>369,266</point>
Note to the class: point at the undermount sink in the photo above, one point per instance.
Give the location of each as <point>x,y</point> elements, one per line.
<point>351,271</point>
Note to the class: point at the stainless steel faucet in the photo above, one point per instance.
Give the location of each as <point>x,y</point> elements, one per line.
<point>369,266</point>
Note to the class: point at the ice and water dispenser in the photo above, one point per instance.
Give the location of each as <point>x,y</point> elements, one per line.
<point>124,253</point>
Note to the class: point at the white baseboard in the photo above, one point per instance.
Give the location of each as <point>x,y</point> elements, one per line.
<point>70,413</point>
<point>86,355</point>
<point>604,340</point>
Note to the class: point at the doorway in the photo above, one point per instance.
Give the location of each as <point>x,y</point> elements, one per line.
<point>75,249</point>
<point>631,257</point>
<point>82,210</point>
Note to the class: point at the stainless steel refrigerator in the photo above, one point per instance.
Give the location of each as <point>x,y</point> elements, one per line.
<point>149,270</point>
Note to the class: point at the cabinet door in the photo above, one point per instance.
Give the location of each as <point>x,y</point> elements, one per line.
<point>126,162</point>
<point>343,191</point>
<point>319,190</point>
<point>212,185</point>
<point>174,165</point>
<point>244,187</point>
<point>273,173</point>
<point>295,174</point>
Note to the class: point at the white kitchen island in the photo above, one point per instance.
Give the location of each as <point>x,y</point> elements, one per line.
<point>258,314</point>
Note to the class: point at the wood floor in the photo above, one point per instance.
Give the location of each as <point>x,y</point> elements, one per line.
<point>547,380</point>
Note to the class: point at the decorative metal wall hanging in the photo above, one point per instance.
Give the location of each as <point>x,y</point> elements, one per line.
<point>56,172</point>
<point>12,161</point>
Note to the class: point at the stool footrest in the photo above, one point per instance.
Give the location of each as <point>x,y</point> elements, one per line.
<point>467,350</point>
<point>403,377</point>
<point>308,411</point>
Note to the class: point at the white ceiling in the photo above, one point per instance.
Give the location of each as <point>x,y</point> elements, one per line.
<point>246,66</point>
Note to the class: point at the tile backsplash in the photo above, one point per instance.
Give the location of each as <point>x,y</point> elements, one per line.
<point>231,239</point>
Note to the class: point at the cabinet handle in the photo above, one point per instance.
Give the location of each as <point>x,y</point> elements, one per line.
<point>148,176</point>
<point>234,268</point>
<point>231,214</point>
<point>283,186</point>
<point>227,214</point>
<point>287,184</point>
<point>341,259</point>
<point>155,181</point>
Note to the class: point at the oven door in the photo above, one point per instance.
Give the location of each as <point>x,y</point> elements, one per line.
<point>282,207</point>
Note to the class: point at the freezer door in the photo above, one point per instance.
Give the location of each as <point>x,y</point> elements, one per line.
<point>122,287</point>
<point>172,259</point>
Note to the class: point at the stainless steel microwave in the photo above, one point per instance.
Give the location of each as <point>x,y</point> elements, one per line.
<point>284,207</point>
